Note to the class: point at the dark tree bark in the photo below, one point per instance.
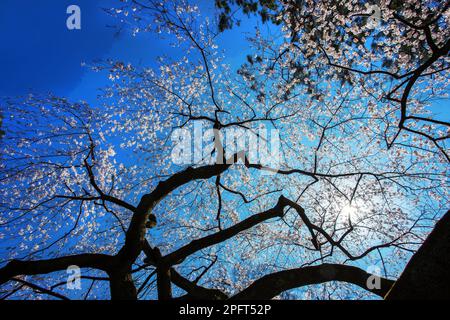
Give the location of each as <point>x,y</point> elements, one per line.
<point>135,235</point>
<point>17,267</point>
<point>164,283</point>
<point>122,286</point>
<point>273,284</point>
<point>194,291</point>
<point>427,275</point>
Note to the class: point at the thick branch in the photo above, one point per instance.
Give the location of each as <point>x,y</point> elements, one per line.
<point>218,237</point>
<point>426,275</point>
<point>17,267</point>
<point>195,291</point>
<point>273,284</point>
<point>135,234</point>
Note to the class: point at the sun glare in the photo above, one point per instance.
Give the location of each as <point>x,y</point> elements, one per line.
<point>349,210</point>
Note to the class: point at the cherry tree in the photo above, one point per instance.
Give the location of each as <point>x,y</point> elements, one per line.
<point>100,188</point>
<point>396,50</point>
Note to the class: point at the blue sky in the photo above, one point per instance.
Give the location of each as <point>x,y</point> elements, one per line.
<point>39,54</point>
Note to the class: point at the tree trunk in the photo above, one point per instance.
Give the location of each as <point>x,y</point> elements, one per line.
<point>427,275</point>
<point>122,286</point>
<point>164,283</point>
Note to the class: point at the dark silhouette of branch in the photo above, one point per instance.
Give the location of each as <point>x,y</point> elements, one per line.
<point>88,260</point>
<point>426,276</point>
<point>135,234</point>
<point>218,237</point>
<point>194,291</point>
<point>41,289</point>
<point>273,284</point>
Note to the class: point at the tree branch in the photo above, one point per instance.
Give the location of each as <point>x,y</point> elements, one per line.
<point>17,267</point>
<point>195,291</point>
<point>218,237</point>
<point>135,234</point>
<point>41,289</point>
<point>273,284</point>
